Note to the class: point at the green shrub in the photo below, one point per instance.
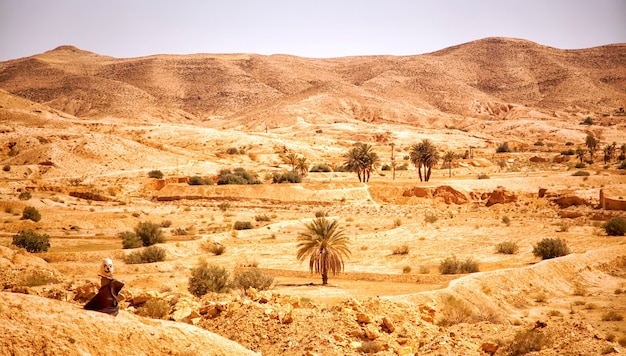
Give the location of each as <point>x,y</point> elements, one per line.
<point>324,168</point>
<point>32,241</point>
<point>287,177</point>
<point>506,220</point>
<point>165,223</point>
<point>503,148</point>
<point>36,278</point>
<point>402,167</point>
<point>232,150</point>
<point>147,255</point>
<point>321,214</point>
<point>149,233</point>
<point>550,248</point>
<point>24,196</point>
<point>588,121</point>
<point>6,168</point>
<point>207,278</point>
<point>615,226</point>
<point>130,240</point>
<point>31,213</point>
<point>430,218</point>
<point>217,248</point>
<point>538,143</point>
<point>526,341</point>
<point>581,174</point>
<point>452,265</point>
<point>223,206</point>
<point>385,167</point>
<point>612,315</point>
<point>237,176</point>
<point>507,247</point>
<point>406,269</point>
<point>242,225</point>
<point>569,152</point>
<point>483,176</point>
<point>179,231</point>
<point>580,165</point>
<point>262,218</point>
<point>154,308</point>
<point>622,165</point>
<point>401,250</point>
<point>155,174</point>
<point>252,278</point>
<point>197,180</point>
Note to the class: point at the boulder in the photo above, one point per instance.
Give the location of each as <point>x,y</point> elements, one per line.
<point>542,192</point>
<point>388,324</point>
<point>568,200</point>
<point>489,347</point>
<point>417,192</point>
<point>371,332</point>
<point>501,196</point>
<point>363,318</point>
<point>450,195</point>
<point>537,159</point>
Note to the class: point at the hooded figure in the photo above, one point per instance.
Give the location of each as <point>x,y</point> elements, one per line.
<point>106,300</point>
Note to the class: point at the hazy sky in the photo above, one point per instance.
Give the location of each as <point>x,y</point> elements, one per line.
<point>311,28</point>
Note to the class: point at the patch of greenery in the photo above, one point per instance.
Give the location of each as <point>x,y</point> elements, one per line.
<point>32,241</point>
<point>237,176</point>
<point>130,240</point>
<point>287,177</point>
<point>451,265</point>
<point>155,174</point>
<point>31,213</point>
<point>615,226</point>
<point>252,278</point>
<point>550,248</point>
<point>149,233</point>
<point>243,225</point>
<point>507,247</point>
<point>197,180</point>
<point>207,278</point>
<point>149,254</point>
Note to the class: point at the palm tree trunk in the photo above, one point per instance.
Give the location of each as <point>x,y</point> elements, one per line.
<point>419,170</point>
<point>427,173</point>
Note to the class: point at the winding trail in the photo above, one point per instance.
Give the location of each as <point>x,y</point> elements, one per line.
<point>369,196</point>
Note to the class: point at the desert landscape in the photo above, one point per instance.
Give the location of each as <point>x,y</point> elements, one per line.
<point>97,146</point>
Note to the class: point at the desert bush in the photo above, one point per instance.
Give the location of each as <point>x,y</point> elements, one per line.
<point>580,165</point>
<point>130,240</point>
<point>402,167</point>
<point>207,278</point>
<point>454,311</point>
<point>147,255</point>
<point>31,213</point>
<point>237,176</point>
<point>588,121</point>
<point>32,241</point>
<point>579,290</point>
<point>569,143</point>
<point>287,177</point>
<point>554,312</point>
<point>165,223</point>
<point>622,165</point>
<point>242,225</point>
<point>424,270</point>
<point>155,174</point>
<point>252,278</point>
<point>506,220</point>
<point>215,248</point>
<point>197,180</point>
<point>430,218</point>
<point>615,226</point>
<point>550,248</point>
<point>324,168</point>
<point>581,174</point>
<point>262,218</point>
<point>321,214</point>
<point>401,250</point>
<point>451,265</point>
<point>36,278</point>
<point>483,176</point>
<point>149,233</point>
<point>503,148</point>
<point>24,196</point>
<point>154,308</point>
<point>538,143</point>
<point>526,341</point>
<point>397,222</point>
<point>232,150</point>
<point>6,168</point>
<point>223,206</point>
<point>507,247</point>
<point>622,340</point>
<point>569,152</point>
<point>385,167</point>
<point>406,269</point>
<point>612,315</point>
<point>180,231</point>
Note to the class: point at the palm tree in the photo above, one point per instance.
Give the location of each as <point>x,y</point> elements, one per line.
<point>623,149</point>
<point>353,161</point>
<point>325,244</point>
<point>580,153</point>
<point>592,144</point>
<point>290,159</point>
<point>424,154</point>
<point>362,160</point>
<point>302,165</point>
<point>430,160</point>
<point>416,157</point>
<point>448,157</point>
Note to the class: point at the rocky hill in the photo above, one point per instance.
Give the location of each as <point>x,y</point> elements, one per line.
<point>487,78</point>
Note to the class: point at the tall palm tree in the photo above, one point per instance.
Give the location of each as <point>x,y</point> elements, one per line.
<point>416,156</point>
<point>369,159</point>
<point>448,158</point>
<point>430,160</point>
<point>353,161</point>
<point>326,245</point>
<point>580,153</point>
<point>302,165</point>
<point>290,159</point>
<point>592,144</point>
<point>424,154</point>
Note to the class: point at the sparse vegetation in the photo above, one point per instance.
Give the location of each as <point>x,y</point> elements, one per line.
<point>237,176</point>
<point>32,241</point>
<point>401,250</point>
<point>34,278</point>
<point>430,218</point>
<point>242,225</point>
<point>451,265</point>
<point>581,174</point>
<point>6,168</point>
<point>155,174</point>
<point>130,240</point>
<point>252,278</point>
<point>25,195</point>
<point>612,315</point>
<point>321,214</point>
<point>615,226</point>
<point>149,233</point>
<point>506,220</point>
<point>262,218</point>
<point>507,247</point>
<point>550,248</point>
<point>526,341</point>
<point>483,176</point>
<point>503,148</point>
<point>155,308</point>
<point>149,254</point>
<point>215,248</point>
<point>207,278</point>
<point>31,213</point>
<point>197,180</point>
<point>406,269</point>
<point>223,206</point>
<point>321,168</point>
<point>287,177</point>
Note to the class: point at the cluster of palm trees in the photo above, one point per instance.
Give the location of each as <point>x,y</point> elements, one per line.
<point>361,159</point>
<point>592,143</point>
<point>299,164</point>
<point>424,155</point>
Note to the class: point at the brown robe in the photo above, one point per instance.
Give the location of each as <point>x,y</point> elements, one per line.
<point>106,300</point>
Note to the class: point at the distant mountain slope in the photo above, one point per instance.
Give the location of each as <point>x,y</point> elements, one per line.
<point>487,77</point>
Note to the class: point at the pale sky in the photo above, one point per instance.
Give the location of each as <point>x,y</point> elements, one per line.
<point>308,28</point>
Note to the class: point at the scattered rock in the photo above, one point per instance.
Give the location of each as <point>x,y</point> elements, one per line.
<point>489,347</point>
<point>570,200</point>
<point>501,196</point>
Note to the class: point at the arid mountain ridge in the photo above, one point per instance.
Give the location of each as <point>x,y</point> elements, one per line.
<point>488,78</point>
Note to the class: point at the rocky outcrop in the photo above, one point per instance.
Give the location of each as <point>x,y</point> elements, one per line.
<point>448,194</point>
<point>568,200</point>
<point>501,196</point>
